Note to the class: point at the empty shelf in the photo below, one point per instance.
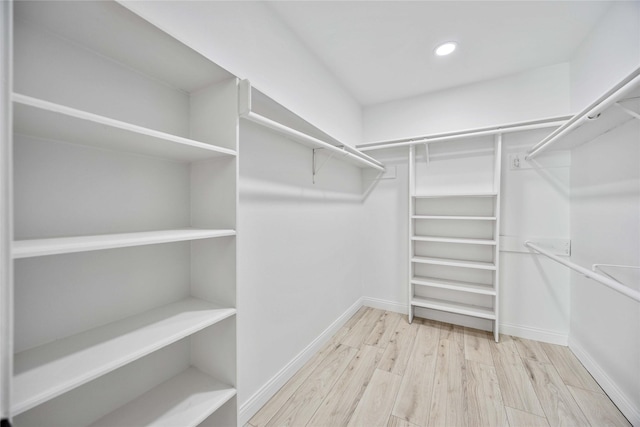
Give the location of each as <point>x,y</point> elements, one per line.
<point>454,285</point>
<point>447,195</point>
<point>481,265</point>
<point>599,117</point>
<point>47,371</point>
<point>451,307</point>
<point>185,400</point>
<point>66,245</point>
<point>44,119</point>
<point>454,240</point>
<point>455,217</point>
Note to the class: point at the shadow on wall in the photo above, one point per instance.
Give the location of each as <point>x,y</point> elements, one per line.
<point>274,168</point>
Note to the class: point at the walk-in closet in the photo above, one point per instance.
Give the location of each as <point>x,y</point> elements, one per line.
<point>319,213</point>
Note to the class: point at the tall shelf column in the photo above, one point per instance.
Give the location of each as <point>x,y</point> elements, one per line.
<point>124,187</point>
<point>453,232</point>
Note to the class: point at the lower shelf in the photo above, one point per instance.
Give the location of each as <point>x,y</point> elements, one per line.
<point>481,265</point>
<point>451,307</point>
<point>50,370</point>
<point>185,400</point>
<point>454,285</point>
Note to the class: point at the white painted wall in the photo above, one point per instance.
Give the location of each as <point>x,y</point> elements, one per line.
<point>298,262</point>
<point>385,232</point>
<point>536,94</point>
<point>605,228</point>
<point>248,39</point>
<point>535,204</point>
<point>607,55</point>
<point>605,215</point>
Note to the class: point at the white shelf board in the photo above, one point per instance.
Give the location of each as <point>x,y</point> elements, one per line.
<point>455,217</point>
<point>66,245</point>
<point>450,195</point>
<point>185,400</point>
<point>454,285</point>
<point>480,265</point>
<point>590,129</point>
<point>349,155</point>
<point>597,118</point>
<point>50,370</point>
<point>450,307</point>
<point>454,240</point>
<point>44,119</point>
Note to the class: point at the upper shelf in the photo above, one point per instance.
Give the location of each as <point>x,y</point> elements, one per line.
<point>343,152</point>
<point>615,107</point>
<point>67,245</point>
<point>44,119</point>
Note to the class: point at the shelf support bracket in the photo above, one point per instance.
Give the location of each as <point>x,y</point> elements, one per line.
<point>315,167</point>
<point>426,153</point>
<point>628,111</point>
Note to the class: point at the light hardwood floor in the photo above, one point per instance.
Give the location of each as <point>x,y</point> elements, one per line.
<point>379,370</point>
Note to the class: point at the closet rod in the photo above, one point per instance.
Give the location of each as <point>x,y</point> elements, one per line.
<point>515,127</point>
<point>591,112</point>
<point>344,150</point>
<point>608,282</point>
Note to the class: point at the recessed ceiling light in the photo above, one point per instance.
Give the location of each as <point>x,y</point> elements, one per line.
<point>445,48</point>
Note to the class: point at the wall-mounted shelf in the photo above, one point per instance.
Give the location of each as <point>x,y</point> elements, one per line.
<point>66,245</point>
<point>617,106</point>
<point>47,371</point>
<point>185,400</point>
<point>44,119</point>
<point>336,150</point>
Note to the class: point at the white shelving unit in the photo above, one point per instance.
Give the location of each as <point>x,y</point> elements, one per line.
<point>123,255</point>
<point>454,228</point>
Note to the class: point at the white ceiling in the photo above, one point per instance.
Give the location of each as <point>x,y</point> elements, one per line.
<point>383,50</point>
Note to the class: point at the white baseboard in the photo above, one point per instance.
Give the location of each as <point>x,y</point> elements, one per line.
<point>266,392</point>
<point>535,334</point>
<point>387,305</point>
<point>627,406</point>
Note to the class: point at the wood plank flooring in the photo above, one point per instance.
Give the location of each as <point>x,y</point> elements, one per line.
<point>379,370</point>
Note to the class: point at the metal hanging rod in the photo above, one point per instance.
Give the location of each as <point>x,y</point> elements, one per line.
<point>607,281</point>
<point>591,112</point>
<point>515,127</point>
